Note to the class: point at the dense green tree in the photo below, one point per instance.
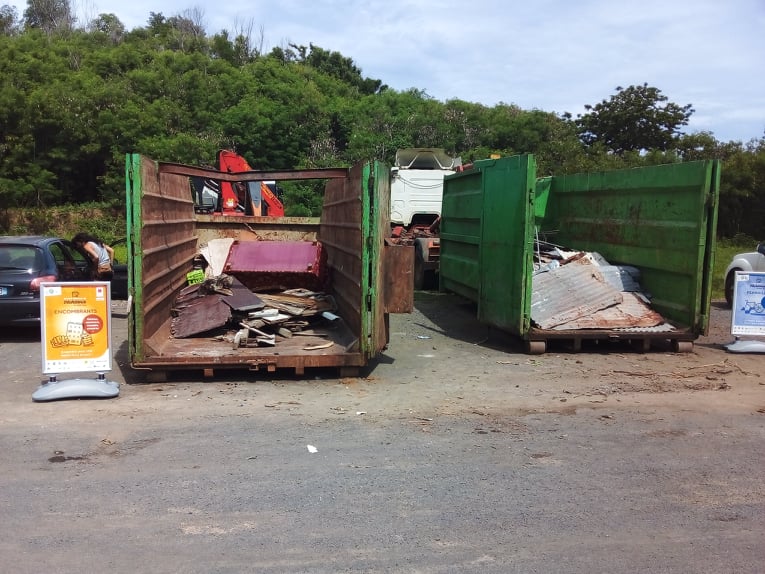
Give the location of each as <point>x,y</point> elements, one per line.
<point>109,25</point>
<point>700,145</point>
<point>742,191</point>
<point>73,104</point>
<point>636,118</point>
<point>49,15</point>
<point>559,151</point>
<point>385,122</point>
<point>9,18</point>
<point>302,199</point>
<point>186,34</point>
<point>222,47</point>
<point>338,66</point>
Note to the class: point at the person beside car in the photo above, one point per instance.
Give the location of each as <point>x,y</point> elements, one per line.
<point>100,254</point>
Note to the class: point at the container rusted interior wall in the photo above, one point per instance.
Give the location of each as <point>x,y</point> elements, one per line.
<point>661,219</point>
<point>166,242</point>
<point>166,234</point>
<point>343,243</point>
<point>210,227</point>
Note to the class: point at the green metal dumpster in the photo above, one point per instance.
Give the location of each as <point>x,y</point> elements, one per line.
<point>660,220</point>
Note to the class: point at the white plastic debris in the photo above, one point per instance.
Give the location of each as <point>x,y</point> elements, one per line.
<point>312,449</point>
<point>278,318</point>
<point>270,312</point>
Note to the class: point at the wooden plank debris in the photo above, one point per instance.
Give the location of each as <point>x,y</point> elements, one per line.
<point>242,299</point>
<point>255,319</point>
<point>296,305</point>
<point>199,315</point>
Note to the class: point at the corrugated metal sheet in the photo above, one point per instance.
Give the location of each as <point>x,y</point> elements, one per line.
<point>568,293</point>
<point>632,312</point>
<point>663,328</point>
<point>622,277</point>
<point>581,295</point>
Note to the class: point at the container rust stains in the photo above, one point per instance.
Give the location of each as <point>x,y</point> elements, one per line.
<point>658,221</point>
<point>305,292</point>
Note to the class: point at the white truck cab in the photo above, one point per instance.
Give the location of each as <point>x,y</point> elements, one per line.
<point>417,183</point>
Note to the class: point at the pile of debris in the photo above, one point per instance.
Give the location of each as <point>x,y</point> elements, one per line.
<point>580,290</point>
<point>255,293</point>
<point>400,235</point>
<point>248,319</point>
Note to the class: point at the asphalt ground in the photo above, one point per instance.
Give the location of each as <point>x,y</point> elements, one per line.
<point>453,452</point>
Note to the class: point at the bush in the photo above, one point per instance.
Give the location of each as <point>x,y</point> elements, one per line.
<point>102,220</point>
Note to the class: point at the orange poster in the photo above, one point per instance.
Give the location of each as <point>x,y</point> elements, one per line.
<point>76,327</point>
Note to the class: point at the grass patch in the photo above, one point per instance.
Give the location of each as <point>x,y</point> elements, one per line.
<point>120,253</point>
<point>724,252</point>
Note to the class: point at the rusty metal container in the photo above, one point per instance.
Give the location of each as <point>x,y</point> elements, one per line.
<point>344,252</point>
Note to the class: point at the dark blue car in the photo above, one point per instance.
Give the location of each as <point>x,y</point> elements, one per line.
<point>27,261</point>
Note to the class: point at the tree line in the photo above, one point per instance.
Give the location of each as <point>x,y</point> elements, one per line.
<point>75,99</point>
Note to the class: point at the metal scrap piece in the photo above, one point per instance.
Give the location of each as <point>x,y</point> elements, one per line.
<point>632,312</point>
<point>569,292</point>
<point>241,298</point>
<point>262,337</point>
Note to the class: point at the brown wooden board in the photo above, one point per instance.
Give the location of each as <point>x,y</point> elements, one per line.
<point>242,299</point>
<point>200,315</point>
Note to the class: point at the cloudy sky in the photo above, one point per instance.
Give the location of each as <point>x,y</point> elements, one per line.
<point>551,55</point>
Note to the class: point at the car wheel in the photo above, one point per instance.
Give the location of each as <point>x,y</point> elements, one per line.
<point>729,287</point>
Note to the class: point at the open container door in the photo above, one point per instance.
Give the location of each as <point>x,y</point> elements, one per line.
<point>487,238</point>
<point>356,252</point>
<point>132,205</point>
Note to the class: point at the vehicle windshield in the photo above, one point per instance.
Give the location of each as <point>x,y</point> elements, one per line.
<point>425,158</point>
<point>20,257</point>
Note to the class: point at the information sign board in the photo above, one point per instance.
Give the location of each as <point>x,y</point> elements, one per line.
<point>76,327</point>
<point>748,313</point>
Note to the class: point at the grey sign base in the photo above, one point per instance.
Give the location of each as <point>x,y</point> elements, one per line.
<point>739,346</point>
<point>76,389</point>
